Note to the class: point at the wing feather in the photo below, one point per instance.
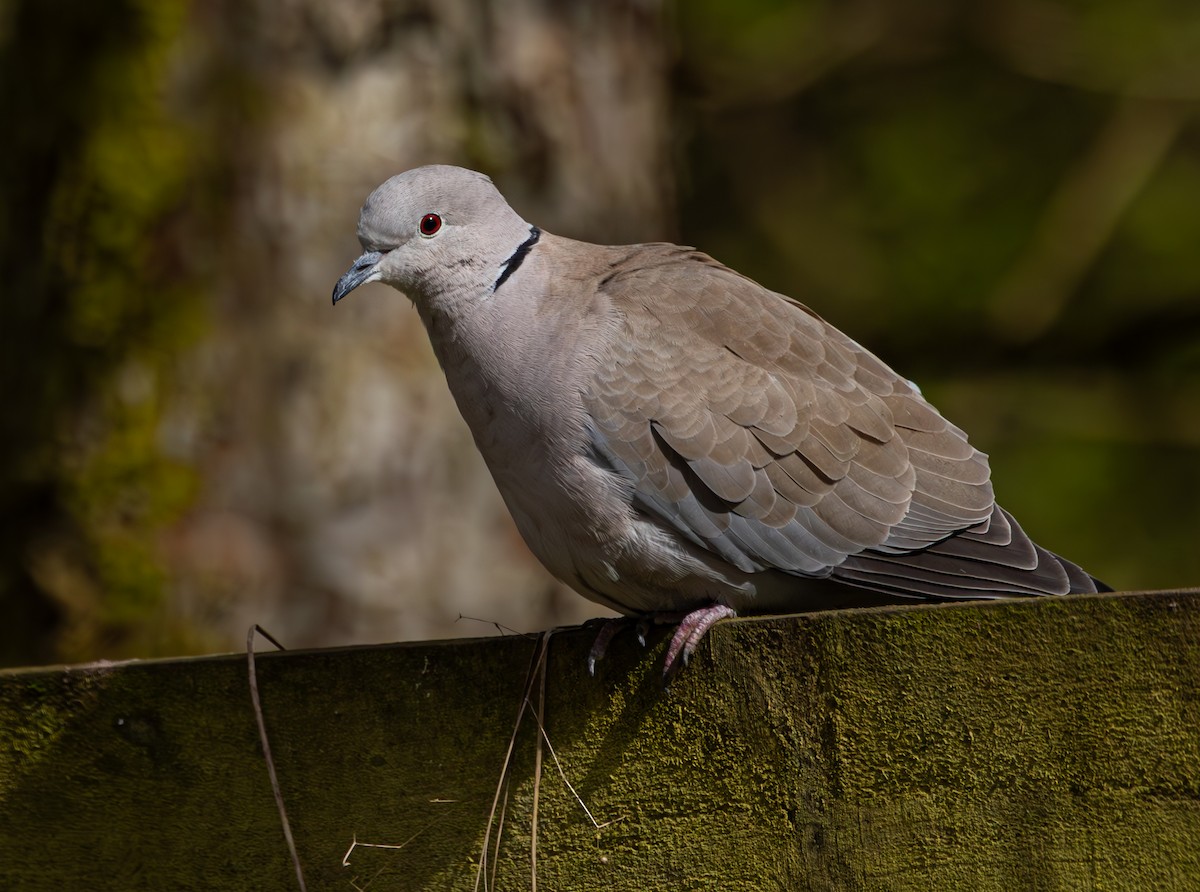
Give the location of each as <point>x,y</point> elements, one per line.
<point>751,428</point>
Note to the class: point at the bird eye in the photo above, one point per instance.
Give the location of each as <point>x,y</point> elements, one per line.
<point>430,224</point>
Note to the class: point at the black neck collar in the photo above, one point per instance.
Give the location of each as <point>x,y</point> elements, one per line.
<point>518,257</point>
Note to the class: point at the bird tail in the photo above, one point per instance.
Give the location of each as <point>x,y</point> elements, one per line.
<point>992,560</point>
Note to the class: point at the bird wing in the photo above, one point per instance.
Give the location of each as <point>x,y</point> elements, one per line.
<point>754,429</point>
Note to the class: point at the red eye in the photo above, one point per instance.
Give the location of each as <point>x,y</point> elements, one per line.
<point>430,224</point>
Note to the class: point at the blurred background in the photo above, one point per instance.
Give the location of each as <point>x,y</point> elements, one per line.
<point>1001,198</point>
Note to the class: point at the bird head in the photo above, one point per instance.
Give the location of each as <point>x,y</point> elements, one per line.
<point>434,229</point>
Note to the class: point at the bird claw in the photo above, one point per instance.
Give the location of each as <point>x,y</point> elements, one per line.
<point>607,631</point>
<point>691,629</point>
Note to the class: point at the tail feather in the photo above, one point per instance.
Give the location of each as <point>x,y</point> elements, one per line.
<point>993,560</point>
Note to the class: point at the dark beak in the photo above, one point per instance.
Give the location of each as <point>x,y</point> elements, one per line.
<point>362,271</point>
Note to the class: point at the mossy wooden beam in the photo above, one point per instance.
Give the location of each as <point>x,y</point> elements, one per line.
<point>1050,744</point>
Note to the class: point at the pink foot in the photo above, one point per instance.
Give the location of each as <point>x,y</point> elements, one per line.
<point>691,629</point>
<point>608,630</point>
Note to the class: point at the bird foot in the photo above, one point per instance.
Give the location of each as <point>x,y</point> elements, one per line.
<point>610,627</point>
<point>608,630</point>
<point>688,633</point>
<point>692,626</point>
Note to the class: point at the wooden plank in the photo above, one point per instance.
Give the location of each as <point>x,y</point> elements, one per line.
<point>1047,744</point>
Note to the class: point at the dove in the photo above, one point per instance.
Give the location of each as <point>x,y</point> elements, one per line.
<point>677,442</point>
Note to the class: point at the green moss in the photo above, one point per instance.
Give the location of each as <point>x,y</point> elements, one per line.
<point>1042,744</point>
<point>46,710</point>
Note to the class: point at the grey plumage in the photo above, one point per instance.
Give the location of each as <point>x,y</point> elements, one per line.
<point>669,435</point>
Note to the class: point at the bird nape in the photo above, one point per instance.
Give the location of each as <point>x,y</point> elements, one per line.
<point>675,440</point>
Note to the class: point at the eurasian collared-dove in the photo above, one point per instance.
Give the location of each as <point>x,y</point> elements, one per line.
<point>673,438</point>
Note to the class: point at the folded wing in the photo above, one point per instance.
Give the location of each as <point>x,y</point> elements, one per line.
<point>751,427</point>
